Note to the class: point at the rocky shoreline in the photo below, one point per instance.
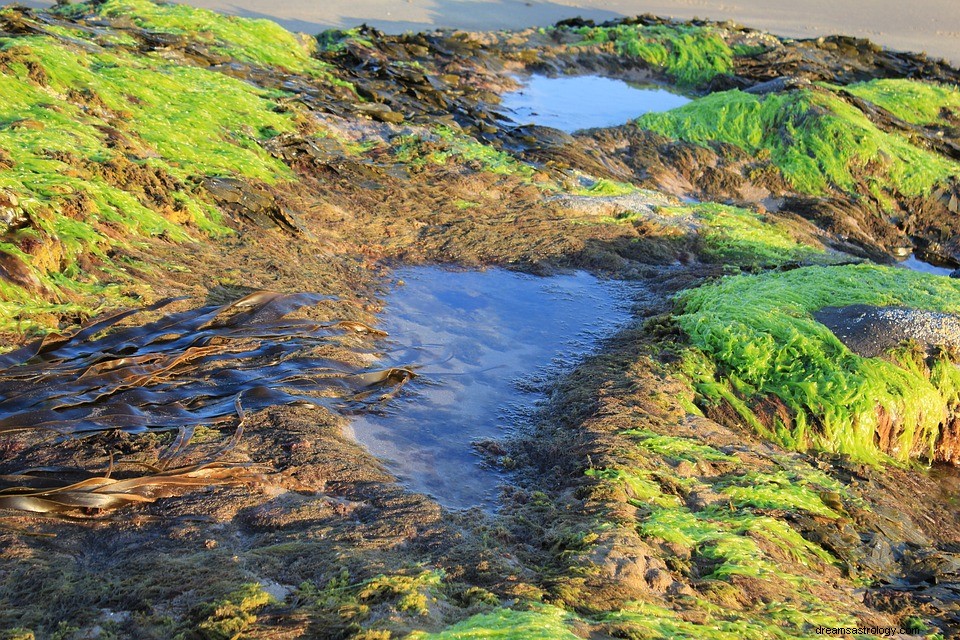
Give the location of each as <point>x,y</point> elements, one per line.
<point>728,466</point>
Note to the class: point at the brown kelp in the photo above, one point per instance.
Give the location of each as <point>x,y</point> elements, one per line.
<point>201,368</point>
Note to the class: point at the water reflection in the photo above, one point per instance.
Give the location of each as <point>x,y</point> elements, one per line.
<point>584,102</point>
<point>914,263</point>
<point>480,337</point>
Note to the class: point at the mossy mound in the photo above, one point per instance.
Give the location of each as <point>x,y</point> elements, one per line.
<point>259,42</point>
<point>821,142</point>
<point>738,236</point>
<point>755,338</point>
<point>690,55</point>
<point>231,616</point>
<point>103,144</point>
<point>538,623</point>
<point>921,103</point>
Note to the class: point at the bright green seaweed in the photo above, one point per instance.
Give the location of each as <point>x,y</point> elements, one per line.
<point>759,338</point>
<point>739,236</point>
<point>89,132</point>
<point>912,101</point>
<point>539,623</point>
<point>445,143</point>
<point>818,140</point>
<point>259,42</point>
<point>645,620</point>
<point>777,621</point>
<point>231,616</point>
<point>690,55</point>
<point>731,235</point>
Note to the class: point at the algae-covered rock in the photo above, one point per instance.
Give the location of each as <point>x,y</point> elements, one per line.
<point>814,137</point>
<point>760,338</point>
<point>232,615</point>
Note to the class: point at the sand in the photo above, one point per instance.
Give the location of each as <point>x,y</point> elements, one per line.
<point>925,25</point>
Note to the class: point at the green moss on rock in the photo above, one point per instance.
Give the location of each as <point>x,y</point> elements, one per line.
<point>259,42</point>
<point>541,622</point>
<point>739,236</point>
<point>779,621</point>
<point>445,143</point>
<point>107,145</point>
<point>689,54</point>
<point>733,235</point>
<point>229,617</point>
<point>915,102</point>
<point>755,337</point>
<point>818,140</point>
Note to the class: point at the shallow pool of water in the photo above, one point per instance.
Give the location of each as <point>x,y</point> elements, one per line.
<point>583,102</point>
<point>485,342</point>
<point>916,264</point>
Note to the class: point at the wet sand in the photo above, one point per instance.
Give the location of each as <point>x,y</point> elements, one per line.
<point>928,25</point>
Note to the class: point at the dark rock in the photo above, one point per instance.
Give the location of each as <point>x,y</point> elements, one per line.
<point>872,331</point>
<point>576,23</point>
<point>855,227</point>
<point>879,557</point>
<point>778,85</point>
<point>378,111</point>
<point>293,148</point>
<point>252,202</point>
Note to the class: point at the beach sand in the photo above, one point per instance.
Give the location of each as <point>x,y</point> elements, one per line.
<point>932,26</point>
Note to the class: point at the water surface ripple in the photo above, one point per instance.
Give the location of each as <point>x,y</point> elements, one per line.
<point>485,342</point>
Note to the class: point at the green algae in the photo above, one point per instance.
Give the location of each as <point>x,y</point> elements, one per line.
<point>21,312</point>
<point>777,620</point>
<point>781,490</point>
<point>759,338</point>
<point>743,50</point>
<point>470,149</point>
<point>744,531</point>
<point>676,447</point>
<point>641,486</point>
<point>724,534</point>
<point>915,102</point>
<point>444,144</point>
<point>348,604</point>
<point>690,55</point>
<point>335,40</point>
<point>642,620</point>
<point>200,122</point>
<point>734,235</point>
<point>109,146</point>
<point>259,42</point>
<point>412,593</point>
<point>606,187</point>
<point>541,622</point>
<point>728,539</point>
<point>230,616</point>
<point>739,236</point>
<point>818,140</point>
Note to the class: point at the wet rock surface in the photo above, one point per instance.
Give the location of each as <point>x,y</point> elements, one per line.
<point>873,331</point>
